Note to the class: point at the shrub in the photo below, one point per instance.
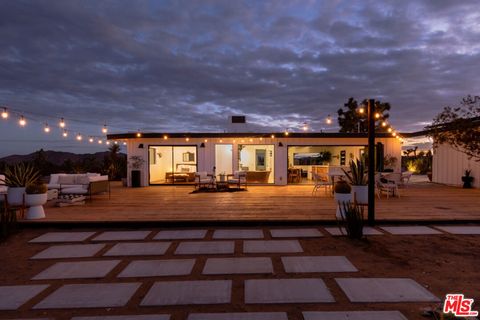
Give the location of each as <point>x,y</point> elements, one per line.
<point>342,187</point>
<point>36,188</point>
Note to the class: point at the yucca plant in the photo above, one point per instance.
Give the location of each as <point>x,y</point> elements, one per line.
<point>352,216</point>
<point>358,173</point>
<point>21,175</point>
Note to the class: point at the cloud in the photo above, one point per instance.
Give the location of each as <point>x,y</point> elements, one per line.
<point>187,65</point>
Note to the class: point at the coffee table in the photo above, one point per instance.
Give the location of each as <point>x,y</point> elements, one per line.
<point>221,185</point>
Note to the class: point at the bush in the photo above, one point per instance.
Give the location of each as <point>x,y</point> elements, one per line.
<point>342,187</point>
<point>36,188</point>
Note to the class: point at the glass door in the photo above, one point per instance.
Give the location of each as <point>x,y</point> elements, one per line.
<point>223,159</point>
<point>172,164</point>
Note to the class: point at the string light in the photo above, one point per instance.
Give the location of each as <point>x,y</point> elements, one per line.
<point>100,141</point>
<point>4,113</point>
<point>206,140</point>
<point>361,110</point>
<point>107,143</point>
<point>384,124</point>
<point>272,136</point>
<point>394,134</point>
<point>187,139</point>
<point>46,128</point>
<point>286,132</point>
<point>377,115</point>
<point>329,119</point>
<point>79,137</point>
<point>116,142</point>
<point>165,137</point>
<point>124,143</point>
<point>62,123</point>
<point>90,140</point>
<point>22,122</point>
<point>104,129</point>
<point>65,133</point>
<point>389,130</point>
<point>251,140</point>
<point>221,140</point>
<point>261,139</point>
<point>139,134</point>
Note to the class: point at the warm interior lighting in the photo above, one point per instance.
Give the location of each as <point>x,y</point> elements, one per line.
<point>329,120</point>
<point>65,133</point>
<point>243,141</point>
<point>251,140</point>
<point>4,113</point>
<point>234,140</point>
<point>46,128</point>
<point>377,115</point>
<point>221,140</point>
<point>62,123</point>
<point>261,139</point>
<point>22,122</point>
<point>79,137</point>
<point>206,140</point>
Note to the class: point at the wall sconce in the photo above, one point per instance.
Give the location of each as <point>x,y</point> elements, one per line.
<point>140,146</point>
<point>202,145</point>
<point>280,144</point>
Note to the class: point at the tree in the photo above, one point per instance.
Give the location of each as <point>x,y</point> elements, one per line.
<point>459,127</point>
<point>352,120</point>
<point>115,163</point>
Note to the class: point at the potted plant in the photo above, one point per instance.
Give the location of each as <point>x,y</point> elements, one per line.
<point>136,162</point>
<point>359,181</point>
<point>467,179</point>
<point>35,198</point>
<point>17,177</point>
<point>352,217</point>
<point>342,194</point>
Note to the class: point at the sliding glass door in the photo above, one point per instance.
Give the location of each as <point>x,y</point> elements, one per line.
<point>172,164</point>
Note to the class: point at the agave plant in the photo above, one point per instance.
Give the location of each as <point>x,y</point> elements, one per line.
<point>20,175</point>
<point>352,216</point>
<point>357,175</point>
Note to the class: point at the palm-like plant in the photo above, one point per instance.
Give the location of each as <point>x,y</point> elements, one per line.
<point>358,173</point>
<point>21,175</point>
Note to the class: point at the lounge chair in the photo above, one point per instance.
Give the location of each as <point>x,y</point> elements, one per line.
<point>204,180</point>
<point>385,185</point>
<point>320,180</point>
<point>238,178</point>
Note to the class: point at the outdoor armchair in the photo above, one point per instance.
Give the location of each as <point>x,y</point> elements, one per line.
<point>386,186</point>
<point>204,180</point>
<point>238,178</point>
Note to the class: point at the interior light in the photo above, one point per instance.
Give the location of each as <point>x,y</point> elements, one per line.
<point>251,140</point>
<point>221,140</point>
<point>261,139</point>
<point>206,140</point>
<point>234,140</point>
<point>62,123</point>
<point>22,122</point>
<point>46,128</point>
<point>243,141</point>
<point>104,129</point>
<point>4,113</point>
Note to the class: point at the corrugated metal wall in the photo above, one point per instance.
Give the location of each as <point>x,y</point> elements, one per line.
<point>449,166</point>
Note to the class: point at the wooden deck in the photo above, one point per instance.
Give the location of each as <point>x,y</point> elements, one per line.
<point>418,202</point>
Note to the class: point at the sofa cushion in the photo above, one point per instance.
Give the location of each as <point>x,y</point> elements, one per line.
<point>54,177</point>
<point>98,178</point>
<point>3,189</point>
<point>74,190</point>
<point>53,186</point>
<point>66,179</point>
<point>81,179</point>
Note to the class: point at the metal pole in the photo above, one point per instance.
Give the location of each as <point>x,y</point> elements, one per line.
<point>371,162</point>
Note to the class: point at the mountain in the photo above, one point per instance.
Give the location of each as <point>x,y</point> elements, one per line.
<point>56,157</point>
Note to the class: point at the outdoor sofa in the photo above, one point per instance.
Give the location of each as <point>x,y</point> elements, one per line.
<point>86,184</point>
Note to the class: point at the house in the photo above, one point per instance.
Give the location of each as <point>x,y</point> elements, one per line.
<point>173,158</point>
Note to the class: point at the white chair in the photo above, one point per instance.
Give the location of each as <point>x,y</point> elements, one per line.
<point>238,178</point>
<point>406,177</point>
<point>204,180</point>
<point>385,185</point>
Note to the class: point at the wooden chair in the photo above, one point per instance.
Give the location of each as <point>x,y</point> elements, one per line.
<point>238,178</point>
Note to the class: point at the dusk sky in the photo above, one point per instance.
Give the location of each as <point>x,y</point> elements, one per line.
<point>170,66</point>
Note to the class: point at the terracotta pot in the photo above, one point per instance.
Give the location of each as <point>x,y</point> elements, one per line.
<point>15,196</point>
<point>35,203</point>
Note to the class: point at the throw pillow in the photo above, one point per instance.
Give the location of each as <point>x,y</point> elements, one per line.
<point>67,179</point>
<point>81,179</point>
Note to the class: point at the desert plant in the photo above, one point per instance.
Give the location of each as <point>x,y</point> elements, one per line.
<point>467,179</point>
<point>36,188</point>
<point>352,216</point>
<point>21,175</point>
<point>136,162</point>
<point>342,186</point>
<point>357,175</point>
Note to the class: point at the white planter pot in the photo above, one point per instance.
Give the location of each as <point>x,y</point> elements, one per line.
<point>361,194</point>
<point>15,196</point>
<point>35,203</point>
<point>342,198</point>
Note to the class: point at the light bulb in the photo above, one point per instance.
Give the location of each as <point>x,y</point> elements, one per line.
<point>251,140</point>
<point>389,129</point>
<point>104,129</point>
<point>361,110</point>
<point>22,122</point>
<point>384,124</point>
<point>100,141</point>
<point>4,113</point>
<point>221,140</point>
<point>377,115</point>
<point>329,120</point>
<point>187,139</point>
<point>116,142</point>
<point>62,123</point>
<point>261,139</point>
<point>79,137</point>
<point>46,128</point>
<point>272,136</point>
<point>108,142</point>
<point>65,133</point>
<point>165,137</point>
<point>206,140</point>
<point>286,132</point>
<point>139,134</point>
<point>90,139</point>
<point>124,143</point>
<point>394,134</point>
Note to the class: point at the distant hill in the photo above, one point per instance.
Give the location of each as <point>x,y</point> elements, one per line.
<point>56,157</point>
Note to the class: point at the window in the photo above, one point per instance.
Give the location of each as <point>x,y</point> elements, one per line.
<point>258,161</point>
<point>172,164</point>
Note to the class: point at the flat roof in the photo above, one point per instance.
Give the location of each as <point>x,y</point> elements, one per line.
<point>133,135</point>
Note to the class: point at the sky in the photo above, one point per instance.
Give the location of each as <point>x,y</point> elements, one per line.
<point>185,66</point>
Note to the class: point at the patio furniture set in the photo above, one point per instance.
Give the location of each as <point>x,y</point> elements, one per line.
<point>206,181</point>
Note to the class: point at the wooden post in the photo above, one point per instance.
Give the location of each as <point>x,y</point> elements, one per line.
<point>371,162</point>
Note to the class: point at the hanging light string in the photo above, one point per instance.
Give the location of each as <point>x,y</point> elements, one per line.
<point>67,126</point>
